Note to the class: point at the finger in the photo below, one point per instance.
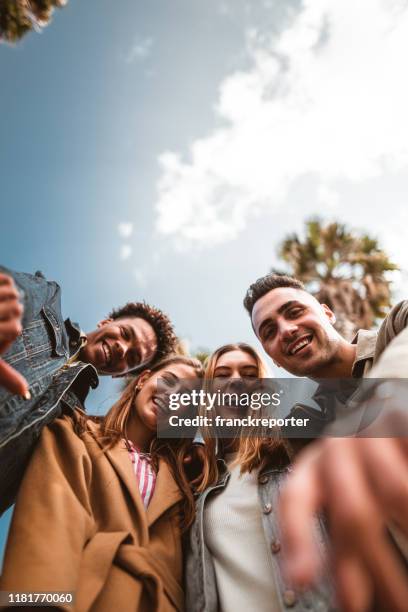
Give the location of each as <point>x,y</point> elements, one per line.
<point>9,330</point>
<point>12,380</point>
<point>389,576</point>
<point>357,521</point>
<point>300,499</point>
<point>354,585</point>
<point>6,280</point>
<point>8,293</point>
<point>10,309</point>
<point>386,464</point>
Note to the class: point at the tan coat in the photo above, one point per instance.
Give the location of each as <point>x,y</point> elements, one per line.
<point>80,525</point>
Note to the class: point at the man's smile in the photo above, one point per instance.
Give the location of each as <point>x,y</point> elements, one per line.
<point>299,345</point>
<point>107,353</point>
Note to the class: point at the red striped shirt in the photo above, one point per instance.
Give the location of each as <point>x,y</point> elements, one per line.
<point>145,474</point>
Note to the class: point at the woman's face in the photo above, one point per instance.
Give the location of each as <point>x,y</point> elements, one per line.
<point>235,372</point>
<point>152,401</point>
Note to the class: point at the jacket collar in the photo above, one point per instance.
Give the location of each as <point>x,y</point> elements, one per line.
<point>75,335</point>
<point>166,492</point>
<point>365,341</point>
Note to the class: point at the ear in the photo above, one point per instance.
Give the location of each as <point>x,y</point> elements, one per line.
<point>329,314</point>
<point>104,322</point>
<point>143,378</point>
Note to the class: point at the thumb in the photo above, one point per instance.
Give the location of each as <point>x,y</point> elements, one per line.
<point>13,381</point>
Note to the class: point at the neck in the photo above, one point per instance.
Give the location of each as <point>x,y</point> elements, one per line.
<point>140,436</point>
<point>342,364</point>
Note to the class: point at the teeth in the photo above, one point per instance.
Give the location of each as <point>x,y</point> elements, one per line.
<point>160,403</point>
<point>107,353</point>
<point>299,345</point>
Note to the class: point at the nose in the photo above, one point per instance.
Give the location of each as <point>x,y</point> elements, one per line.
<point>287,329</point>
<point>120,349</point>
<point>236,384</point>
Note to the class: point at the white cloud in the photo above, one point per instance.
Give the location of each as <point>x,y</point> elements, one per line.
<point>125,229</point>
<point>140,50</point>
<point>125,252</point>
<point>140,277</point>
<point>326,99</point>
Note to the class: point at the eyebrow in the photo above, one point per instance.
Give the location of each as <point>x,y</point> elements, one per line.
<point>173,376</point>
<point>280,310</point>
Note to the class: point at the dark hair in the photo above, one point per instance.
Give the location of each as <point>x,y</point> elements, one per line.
<point>166,338</point>
<point>263,285</point>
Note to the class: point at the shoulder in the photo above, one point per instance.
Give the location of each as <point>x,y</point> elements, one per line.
<point>396,320</point>
<point>394,323</point>
<point>67,432</point>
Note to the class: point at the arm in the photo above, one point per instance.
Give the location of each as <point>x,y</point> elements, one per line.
<point>361,483</point>
<point>11,312</point>
<point>52,520</point>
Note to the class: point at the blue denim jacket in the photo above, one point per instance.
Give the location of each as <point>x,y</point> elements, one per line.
<point>39,354</point>
<point>200,580</point>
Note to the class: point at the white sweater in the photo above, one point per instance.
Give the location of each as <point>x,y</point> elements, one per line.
<point>234,535</point>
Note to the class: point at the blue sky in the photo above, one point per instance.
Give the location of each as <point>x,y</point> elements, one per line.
<point>161,150</point>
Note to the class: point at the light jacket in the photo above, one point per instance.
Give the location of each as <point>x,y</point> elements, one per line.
<point>80,526</point>
<point>200,579</point>
<point>39,354</point>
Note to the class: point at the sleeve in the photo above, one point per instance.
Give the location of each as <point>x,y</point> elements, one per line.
<point>52,519</point>
<point>391,354</point>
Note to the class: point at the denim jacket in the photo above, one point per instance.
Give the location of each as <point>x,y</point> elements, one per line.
<point>39,354</point>
<point>200,579</point>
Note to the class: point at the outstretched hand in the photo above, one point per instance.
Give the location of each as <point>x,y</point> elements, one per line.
<point>362,485</point>
<point>11,312</point>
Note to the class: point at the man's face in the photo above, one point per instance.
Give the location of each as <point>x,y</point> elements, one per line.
<point>296,331</point>
<point>120,345</point>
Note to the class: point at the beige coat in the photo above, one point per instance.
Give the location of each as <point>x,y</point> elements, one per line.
<point>80,525</point>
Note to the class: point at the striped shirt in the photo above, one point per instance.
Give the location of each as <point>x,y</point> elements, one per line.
<point>145,473</point>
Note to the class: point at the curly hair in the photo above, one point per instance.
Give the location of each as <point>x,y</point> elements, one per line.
<point>263,285</point>
<point>163,328</point>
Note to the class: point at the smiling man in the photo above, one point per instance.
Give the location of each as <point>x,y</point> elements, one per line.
<point>296,330</point>
<point>49,364</point>
<point>361,483</point>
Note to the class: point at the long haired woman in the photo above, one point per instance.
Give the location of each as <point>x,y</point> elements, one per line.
<point>234,558</point>
<point>101,511</point>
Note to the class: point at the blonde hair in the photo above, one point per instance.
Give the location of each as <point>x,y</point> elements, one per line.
<point>253,452</point>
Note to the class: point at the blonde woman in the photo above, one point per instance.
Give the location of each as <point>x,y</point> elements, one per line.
<point>103,505</point>
<point>234,556</point>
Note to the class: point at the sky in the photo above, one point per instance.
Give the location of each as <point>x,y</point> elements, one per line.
<point>163,150</point>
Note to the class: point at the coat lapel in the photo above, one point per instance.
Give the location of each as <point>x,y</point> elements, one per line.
<point>166,493</point>
<point>120,460</point>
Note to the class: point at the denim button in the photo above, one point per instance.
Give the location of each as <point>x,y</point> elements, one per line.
<point>263,479</point>
<point>275,546</point>
<point>267,509</point>
<point>289,598</point>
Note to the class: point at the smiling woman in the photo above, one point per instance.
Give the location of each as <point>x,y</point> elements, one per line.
<point>109,502</point>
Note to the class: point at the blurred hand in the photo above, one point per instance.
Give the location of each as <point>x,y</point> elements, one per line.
<point>11,312</point>
<point>362,485</point>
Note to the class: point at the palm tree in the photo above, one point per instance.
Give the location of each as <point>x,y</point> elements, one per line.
<point>344,270</point>
<point>17,17</point>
